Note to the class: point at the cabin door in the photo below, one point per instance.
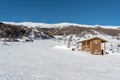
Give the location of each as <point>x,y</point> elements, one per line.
<point>96,47</point>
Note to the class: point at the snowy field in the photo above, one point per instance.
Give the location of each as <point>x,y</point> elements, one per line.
<point>40,60</point>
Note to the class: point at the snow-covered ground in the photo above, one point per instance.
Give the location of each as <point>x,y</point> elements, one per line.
<point>41,60</point>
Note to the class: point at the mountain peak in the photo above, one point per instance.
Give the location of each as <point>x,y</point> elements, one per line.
<point>46,25</point>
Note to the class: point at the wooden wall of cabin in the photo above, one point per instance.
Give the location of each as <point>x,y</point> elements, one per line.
<point>85,46</point>
<point>95,46</point>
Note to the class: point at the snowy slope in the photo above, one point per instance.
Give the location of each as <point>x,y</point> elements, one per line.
<point>45,25</point>
<point>42,25</point>
<point>40,60</point>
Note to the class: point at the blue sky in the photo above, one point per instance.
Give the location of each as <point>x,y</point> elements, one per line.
<point>102,12</point>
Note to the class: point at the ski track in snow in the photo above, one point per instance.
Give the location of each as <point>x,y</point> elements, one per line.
<point>41,61</point>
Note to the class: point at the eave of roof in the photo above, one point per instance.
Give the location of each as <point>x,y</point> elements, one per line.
<point>103,40</point>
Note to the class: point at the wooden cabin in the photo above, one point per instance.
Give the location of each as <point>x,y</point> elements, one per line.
<point>93,45</point>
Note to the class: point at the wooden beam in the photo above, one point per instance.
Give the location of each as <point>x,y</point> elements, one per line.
<point>86,45</point>
<point>90,46</point>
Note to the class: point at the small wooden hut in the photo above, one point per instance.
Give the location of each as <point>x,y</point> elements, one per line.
<point>93,45</point>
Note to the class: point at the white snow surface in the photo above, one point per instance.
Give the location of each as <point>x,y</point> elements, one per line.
<point>40,60</point>
<point>62,47</point>
<point>46,25</point>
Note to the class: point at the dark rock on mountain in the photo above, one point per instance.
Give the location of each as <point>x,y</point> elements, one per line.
<point>11,32</point>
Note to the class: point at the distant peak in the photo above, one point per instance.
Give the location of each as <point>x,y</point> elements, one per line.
<point>46,25</point>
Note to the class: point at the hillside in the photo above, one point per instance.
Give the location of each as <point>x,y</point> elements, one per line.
<point>13,32</point>
<point>69,29</point>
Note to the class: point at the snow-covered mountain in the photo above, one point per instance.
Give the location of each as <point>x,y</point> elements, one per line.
<point>46,25</point>
<point>43,30</point>
<point>12,33</point>
<point>41,25</point>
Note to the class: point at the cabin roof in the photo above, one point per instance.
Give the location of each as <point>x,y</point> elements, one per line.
<point>103,40</point>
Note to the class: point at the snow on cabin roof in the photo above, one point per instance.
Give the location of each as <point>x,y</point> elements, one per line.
<point>103,40</point>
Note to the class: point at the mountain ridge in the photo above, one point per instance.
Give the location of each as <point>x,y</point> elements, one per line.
<point>20,30</point>
<point>63,24</point>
